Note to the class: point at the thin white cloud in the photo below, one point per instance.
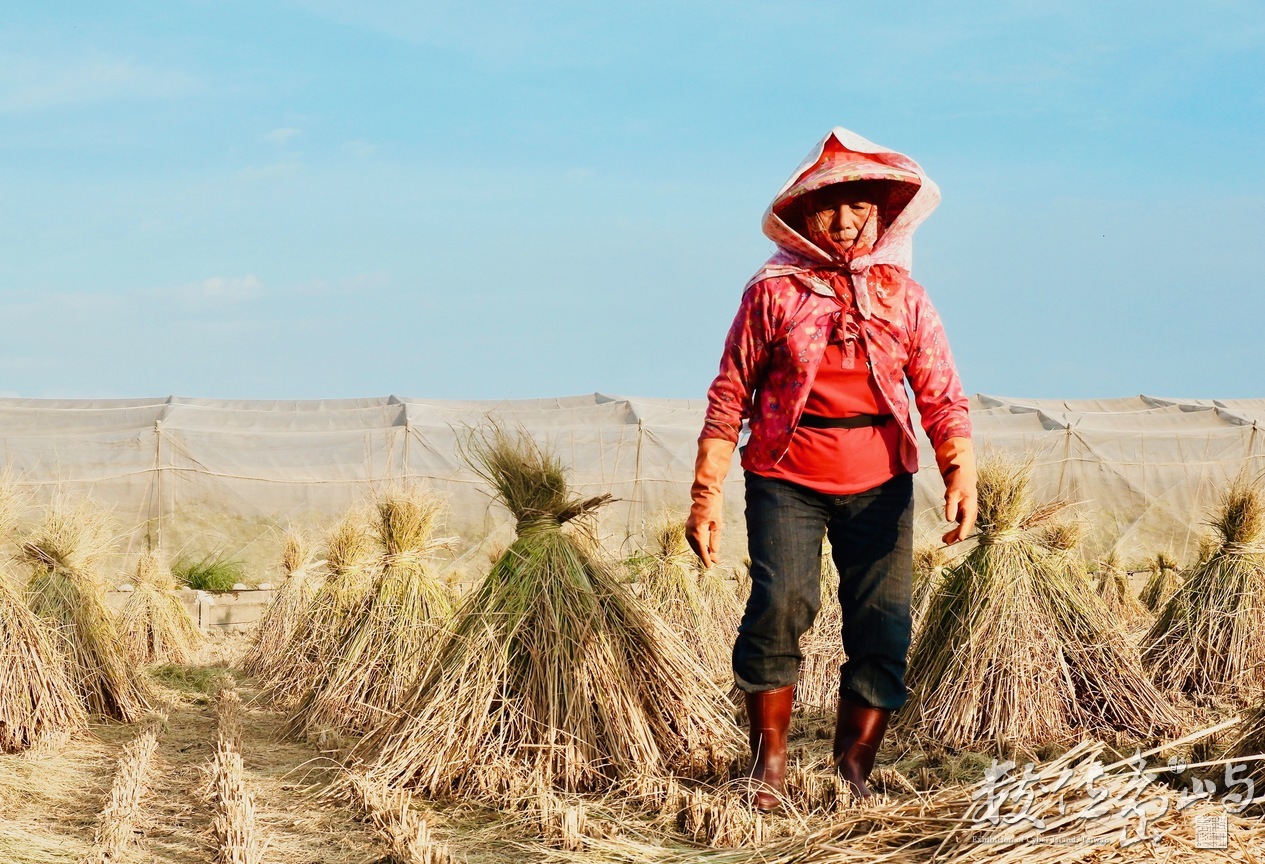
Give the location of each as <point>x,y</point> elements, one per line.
<point>287,167</point>
<point>217,291</point>
<point>360,148</point>
<point>358,285</point>
<point>281,137</point>
<point>30,84</point>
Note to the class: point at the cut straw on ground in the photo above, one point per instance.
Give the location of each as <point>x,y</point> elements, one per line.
<point>406,833</point>
<point>117,826</point>
<point>237,839</point>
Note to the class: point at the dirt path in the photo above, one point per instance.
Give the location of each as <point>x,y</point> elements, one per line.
<point>50,803</point>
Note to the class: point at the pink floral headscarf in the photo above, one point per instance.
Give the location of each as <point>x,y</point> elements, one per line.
<point>843,157</point>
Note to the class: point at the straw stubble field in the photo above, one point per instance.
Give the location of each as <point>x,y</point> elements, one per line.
<point>564,712</point>
<point>54,803</point>
<point>92,799</point>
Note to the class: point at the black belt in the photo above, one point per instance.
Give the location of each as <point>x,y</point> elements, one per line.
<point>814,421</point>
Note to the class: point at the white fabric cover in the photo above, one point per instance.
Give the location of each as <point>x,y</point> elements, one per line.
<point>199,475</point>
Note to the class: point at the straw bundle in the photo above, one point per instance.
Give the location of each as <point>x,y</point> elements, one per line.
<point>694,602</point>
<point>1209,638</point>
<point>155,624</point>
<point>1162,583</point>
<point>350,556</point>
<point>38,701</point>
<point>287,609</point>
<point>1016,649</point>
<point>931,558</point>
<point>1112,585</point>
<point>384,647</point>
<point>822,645</point>
<point>64,590</point>
<point>553,671</point>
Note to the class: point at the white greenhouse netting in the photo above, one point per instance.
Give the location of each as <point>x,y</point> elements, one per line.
<point>199,475</point>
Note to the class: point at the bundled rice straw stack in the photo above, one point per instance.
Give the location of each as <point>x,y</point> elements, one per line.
<point>1112,585</point>
<point>1209,638</point>
<point>288,607</point>
<point>930,560</point>
<point>1016,648</point>
<point>822,645</point>
<point>553,672</point>
<point>65,590</point>
<point>38,702</point>
<point>385,647</point>
<point>695,602</point>
<point>350,557</point>
<point>154,623</point>
<point>1162,583</point>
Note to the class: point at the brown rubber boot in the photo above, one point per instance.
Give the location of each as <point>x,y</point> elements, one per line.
<point>769,713</point>
<point>859,730</point>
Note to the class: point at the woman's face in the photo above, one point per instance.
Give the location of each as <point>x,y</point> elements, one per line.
<point>836,215</point>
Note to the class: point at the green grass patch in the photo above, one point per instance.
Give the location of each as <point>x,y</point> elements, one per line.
<point>209,573</point>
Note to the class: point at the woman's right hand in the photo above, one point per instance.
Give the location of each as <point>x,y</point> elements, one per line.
<point>702,528</point>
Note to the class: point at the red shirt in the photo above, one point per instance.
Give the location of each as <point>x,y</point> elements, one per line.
<point>775,346</point>
<point>841,461</point>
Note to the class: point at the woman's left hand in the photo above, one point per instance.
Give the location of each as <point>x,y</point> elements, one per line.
<point>956,459</point>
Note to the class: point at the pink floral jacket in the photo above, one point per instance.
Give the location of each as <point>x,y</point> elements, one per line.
<point>775,345</point>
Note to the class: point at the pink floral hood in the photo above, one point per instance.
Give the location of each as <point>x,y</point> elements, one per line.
<point>840,157</point>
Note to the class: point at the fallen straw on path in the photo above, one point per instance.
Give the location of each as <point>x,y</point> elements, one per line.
<point>1209,638</point>
<point>1016,649</point>
<point>65,590</point>
<point>237,839</point>
<point>292,602</point>
<point>386,641</point>
<point>553,671</point>
<point>1073,808</point>
<point>407,835</point>
<point>123,807</point>
<point>154,623</point>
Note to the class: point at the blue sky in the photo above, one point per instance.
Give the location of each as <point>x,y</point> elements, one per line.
<point>499,200</point>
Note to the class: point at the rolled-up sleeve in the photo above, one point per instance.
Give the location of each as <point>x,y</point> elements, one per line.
<point>729,399</point>
<point>930,370</point>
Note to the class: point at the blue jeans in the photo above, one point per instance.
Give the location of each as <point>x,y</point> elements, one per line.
<point>871,536</point>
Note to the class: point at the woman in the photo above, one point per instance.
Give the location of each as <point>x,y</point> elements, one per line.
<point>827,335</point>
